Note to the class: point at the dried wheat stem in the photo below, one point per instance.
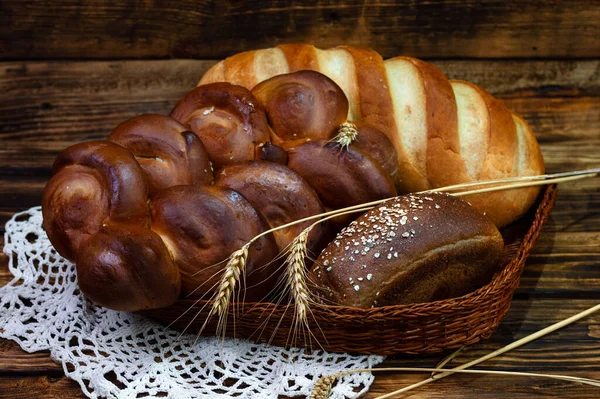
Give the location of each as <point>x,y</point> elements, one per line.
<point>461,186</point>
<point>237,260</point>
<point>500,351</point>
<point>525,184</point>
<point>447,359</point>
<point>323,386</point>
<point>528,181</point>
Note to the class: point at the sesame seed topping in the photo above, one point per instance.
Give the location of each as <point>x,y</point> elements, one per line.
<point>356,287</point>
<point>406,234</point>
<point>369,276</point>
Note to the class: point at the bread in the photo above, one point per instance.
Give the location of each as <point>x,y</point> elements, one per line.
<point>302,106</point>
<point>202,226</point>
<point>341,176</point>
<point>142,220</point>
<point>444,132</point>
<point>152,180</point>
<point>168,153</point>
<point>280,196</point>
<point>410,249</point>
<point>95,214</point>
<point>228,119</point>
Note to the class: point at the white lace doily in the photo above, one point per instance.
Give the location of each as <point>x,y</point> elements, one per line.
<point>122,355</point>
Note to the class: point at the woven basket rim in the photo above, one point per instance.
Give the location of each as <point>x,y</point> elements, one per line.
<point>429,327</point>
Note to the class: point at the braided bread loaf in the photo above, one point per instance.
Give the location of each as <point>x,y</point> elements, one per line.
<point>444,131</point>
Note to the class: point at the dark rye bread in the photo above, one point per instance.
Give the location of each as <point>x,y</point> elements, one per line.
<point>411,249</point>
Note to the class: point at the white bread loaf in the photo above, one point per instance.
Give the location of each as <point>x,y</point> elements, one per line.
<point>445,132</point>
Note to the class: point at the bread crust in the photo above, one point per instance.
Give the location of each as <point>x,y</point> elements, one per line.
<point>438,162</point>
<point>411,249</point>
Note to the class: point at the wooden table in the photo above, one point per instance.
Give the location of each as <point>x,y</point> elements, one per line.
<point>71,72</point>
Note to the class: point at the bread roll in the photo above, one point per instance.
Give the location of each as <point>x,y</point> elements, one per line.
<point>126,267</point>
<point>342,176</point>
<point>444,132</point>
<point>228,119</point>
<point>410,249</point>
<point>280,196</point>
<point>93,183</point>
<point>95,214</point>
<point>169,154</point>
<point>201,227</point>
<point>372,142</point>
<point>301,106</point>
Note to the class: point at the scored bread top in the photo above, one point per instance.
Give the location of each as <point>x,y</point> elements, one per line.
<point>445,132</point>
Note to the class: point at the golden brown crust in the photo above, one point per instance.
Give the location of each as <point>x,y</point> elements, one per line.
<point>439,162</point>
<point>227,118</point>
<point>201,227</point>
<point>444,163</point>
<point>168,154</point>
<point>500,161</point>
<point>375,102</point>
<point>300,57</point>
<point>414,248</point>
<point>216,73</point>
<point>301,106</point>
<point>239,69</point>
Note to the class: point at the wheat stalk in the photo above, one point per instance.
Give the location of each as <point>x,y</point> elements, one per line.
<point>322,388</point>
<point>323,385</point>
<point>516,344</point>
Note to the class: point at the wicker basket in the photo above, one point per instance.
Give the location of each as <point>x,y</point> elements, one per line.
<point>416,328</point>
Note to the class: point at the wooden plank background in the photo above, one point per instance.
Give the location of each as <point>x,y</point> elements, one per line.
<point>72,70</point>
<point>214,29</point>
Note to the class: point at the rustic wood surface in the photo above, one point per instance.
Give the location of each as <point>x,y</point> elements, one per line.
<point>202,29</point>
<point>71,71</point>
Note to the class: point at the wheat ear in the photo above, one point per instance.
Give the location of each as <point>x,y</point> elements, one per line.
<point>296,277</point>
<point>235,267</point>
<point>347,133</point>
<point>322,388</point>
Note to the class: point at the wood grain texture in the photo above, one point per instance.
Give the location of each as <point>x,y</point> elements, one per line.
<point>572,351</point>
<point>67,102</point>
<point>44,387</point>
<point>202,29</point>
